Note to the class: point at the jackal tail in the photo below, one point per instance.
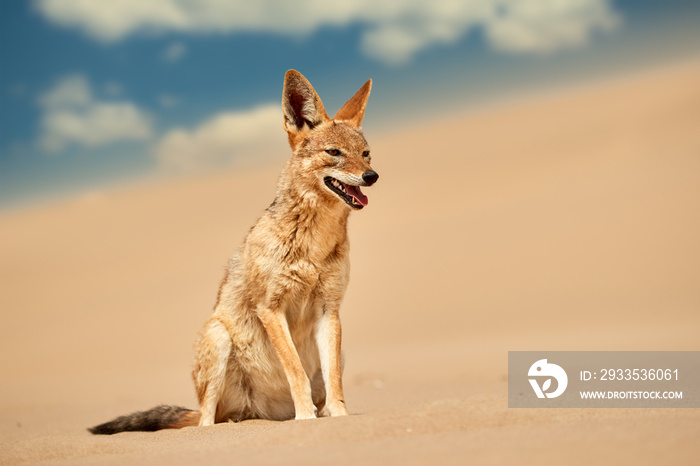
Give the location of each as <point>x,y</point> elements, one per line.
<point>160,417</point>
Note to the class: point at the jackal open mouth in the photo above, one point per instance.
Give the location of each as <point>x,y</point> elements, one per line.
<point>352,195</point>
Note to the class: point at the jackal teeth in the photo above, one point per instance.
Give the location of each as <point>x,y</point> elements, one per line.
<point>338,185</point>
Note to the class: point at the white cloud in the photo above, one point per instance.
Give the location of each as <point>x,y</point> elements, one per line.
<point>71,115</point>
<point>174,52</point>
<point>392,31</point>
<point>223,139</point>
<point>547,26</point>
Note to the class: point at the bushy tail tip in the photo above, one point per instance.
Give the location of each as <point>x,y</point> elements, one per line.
<point>160,417</point>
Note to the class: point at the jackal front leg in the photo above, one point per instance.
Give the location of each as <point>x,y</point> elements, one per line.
<point>277,329</point>
<point>328,340</point>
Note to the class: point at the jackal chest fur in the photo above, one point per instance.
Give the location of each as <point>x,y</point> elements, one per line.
<point>298,259</point>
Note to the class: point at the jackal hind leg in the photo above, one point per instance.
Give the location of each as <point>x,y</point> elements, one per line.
<point>209,375</point>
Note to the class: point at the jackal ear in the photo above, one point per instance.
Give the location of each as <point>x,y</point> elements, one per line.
<point>301,104</point>
<point>354,109</point>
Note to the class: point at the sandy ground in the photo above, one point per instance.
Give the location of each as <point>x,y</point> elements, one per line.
<point>562,222</point>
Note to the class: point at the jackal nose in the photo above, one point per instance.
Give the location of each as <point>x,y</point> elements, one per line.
<point>370,177</point>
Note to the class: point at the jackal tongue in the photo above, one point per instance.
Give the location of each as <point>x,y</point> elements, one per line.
<point>355,192</point>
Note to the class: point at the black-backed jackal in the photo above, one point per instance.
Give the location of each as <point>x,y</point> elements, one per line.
<point>272,348</point>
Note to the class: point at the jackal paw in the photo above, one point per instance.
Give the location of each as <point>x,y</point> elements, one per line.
<point>204,422</point>
<point>337,408</point>
<point>307,414</point>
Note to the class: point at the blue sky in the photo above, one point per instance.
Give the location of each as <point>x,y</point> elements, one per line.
<point>95,94</point>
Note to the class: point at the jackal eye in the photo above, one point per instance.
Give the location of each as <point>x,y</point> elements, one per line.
<point>365,153</point>
<point>333,152</point>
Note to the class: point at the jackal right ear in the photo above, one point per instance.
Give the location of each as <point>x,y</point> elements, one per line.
<point>354,109</point>
<point>301,104</point>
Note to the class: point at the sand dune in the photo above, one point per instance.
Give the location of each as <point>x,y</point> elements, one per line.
<point>563,222</point>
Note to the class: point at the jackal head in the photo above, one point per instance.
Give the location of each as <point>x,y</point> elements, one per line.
<point>330,155</point>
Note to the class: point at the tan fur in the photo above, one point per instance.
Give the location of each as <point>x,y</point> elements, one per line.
<point>272,348</point>
<point>188,420</point>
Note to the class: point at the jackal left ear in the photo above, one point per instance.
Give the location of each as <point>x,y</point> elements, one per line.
<point>354,109</point>
<point>301,104</point>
